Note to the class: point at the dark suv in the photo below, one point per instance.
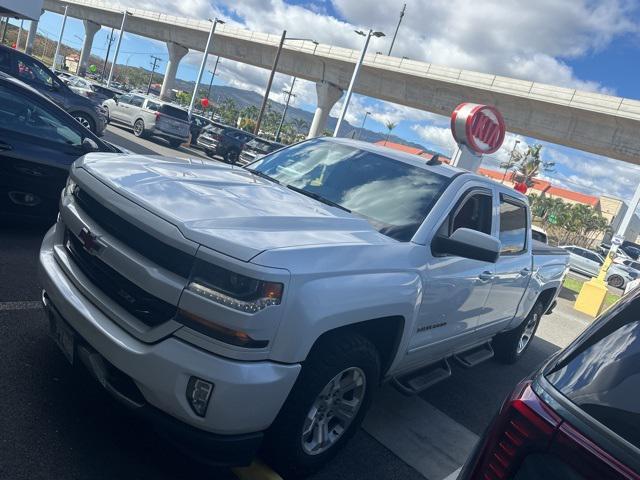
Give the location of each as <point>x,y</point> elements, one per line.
<point>578,418</point>
<point>224,141</point>
<point>37,75</point>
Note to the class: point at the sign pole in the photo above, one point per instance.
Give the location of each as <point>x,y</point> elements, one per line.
<point>64,22</point>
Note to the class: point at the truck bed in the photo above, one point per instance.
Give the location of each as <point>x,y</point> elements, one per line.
<point>539,248</point>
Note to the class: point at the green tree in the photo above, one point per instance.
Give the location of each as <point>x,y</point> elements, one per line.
<point>531,164</point>
<point>390,126</point>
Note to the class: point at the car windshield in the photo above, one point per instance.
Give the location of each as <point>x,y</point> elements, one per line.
<point>262,145</point>
<point>394,196</point>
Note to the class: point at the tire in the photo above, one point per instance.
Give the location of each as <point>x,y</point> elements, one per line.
<point>209,153</point>
<point>175,143</point>
<point>346,356</point>
<point>616,281</point>
<point>85,120</point>
<point>231,156</point>
<point>138,129</point>
<point>507,346</point>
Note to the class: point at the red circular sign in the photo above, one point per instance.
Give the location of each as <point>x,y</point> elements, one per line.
<point>479,127</point>
<point>204,102</point>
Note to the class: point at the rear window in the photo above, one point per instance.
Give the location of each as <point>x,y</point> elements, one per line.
<point>214,129</point>
<point>601,373</point>
<point>174,112</point>
<point>262,146</point>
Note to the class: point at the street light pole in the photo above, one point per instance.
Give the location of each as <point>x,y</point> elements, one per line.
<point>271,75</point>
<point>366,114</point>
<point>286,107</point>
<point>19,35</point>
<point>203,64</point>
<point>513,150</point>
<point>55,55</point>
<point>213,74</point>
<point>115,57</point>
<point>356,70</point>
<point>404,7</point>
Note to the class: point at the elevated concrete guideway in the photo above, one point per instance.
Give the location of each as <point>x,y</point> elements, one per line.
<point>596,123</point>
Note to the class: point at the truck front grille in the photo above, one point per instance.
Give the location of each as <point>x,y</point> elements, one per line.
<point>147,308</point>
<point>171,258</point>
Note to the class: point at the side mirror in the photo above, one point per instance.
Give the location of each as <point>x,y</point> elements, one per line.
<point>468,243</point>
<point>89,145</point>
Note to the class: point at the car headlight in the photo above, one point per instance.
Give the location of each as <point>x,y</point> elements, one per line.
<point>69,188</point>
<point>232,289</point>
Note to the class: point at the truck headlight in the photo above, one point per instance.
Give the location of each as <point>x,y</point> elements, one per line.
<point>69,188</point>
<point>232,289</point>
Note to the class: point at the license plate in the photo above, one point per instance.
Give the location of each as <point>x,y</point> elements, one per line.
<point>62,334</point>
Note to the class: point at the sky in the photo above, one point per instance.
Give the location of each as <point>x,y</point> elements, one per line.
<point>583,44</point>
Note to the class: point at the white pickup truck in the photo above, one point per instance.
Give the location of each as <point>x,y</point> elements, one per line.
<point>232,304</point>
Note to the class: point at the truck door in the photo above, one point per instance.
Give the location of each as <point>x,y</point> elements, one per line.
<point>455,288</point>
<point>513,269</point>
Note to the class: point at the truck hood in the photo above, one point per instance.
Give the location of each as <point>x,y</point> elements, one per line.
<point>228,208</point>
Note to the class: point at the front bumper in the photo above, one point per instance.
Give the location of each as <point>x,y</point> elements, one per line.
<point>207,144</point>
<point>247,396</point>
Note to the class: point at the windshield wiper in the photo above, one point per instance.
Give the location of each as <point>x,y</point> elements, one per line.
<point>320,198</point>
<point>263,175</point>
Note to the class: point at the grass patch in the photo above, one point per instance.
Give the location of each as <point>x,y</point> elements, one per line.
<point>575,285</point>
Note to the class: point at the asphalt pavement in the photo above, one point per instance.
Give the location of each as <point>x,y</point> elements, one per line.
<point>56,422</point>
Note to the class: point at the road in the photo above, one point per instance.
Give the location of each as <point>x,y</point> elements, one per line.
<point>56,422</point>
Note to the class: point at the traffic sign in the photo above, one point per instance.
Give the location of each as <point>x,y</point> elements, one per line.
<point>617,240</point>
<point>479,127</point>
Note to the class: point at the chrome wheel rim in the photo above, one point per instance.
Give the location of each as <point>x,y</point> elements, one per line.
<point>137,128</point>
<point>333,411</point>
<point>527,334</point>
<point>616,281</point>
<point>83,121</point>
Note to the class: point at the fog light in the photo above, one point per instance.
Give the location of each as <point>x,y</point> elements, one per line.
<point>198,395</point>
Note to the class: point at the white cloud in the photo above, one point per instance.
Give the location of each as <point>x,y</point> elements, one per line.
<point>437,138</point>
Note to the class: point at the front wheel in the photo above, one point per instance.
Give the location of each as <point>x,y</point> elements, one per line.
<point>510,346</point>
<point>175,143</point>
<point>326,406</point>
<point>232,157</point>
<point>85,120</point>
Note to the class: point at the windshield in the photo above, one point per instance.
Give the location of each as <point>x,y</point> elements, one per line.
<point>394,196</point>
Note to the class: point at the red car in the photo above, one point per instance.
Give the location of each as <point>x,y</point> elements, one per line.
<point>578,417</point>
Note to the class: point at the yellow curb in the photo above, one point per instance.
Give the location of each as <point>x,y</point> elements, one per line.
<point>256,471</point>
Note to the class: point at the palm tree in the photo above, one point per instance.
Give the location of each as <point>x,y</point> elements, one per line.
<point>390,126</point>
<point>531,164</point>
<point>300,124</point>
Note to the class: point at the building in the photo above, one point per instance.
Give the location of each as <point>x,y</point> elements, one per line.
<point>611,208</point>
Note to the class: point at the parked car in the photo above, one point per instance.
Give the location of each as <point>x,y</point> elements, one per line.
<point>149,116</point>
<point>578,417</point>
<point>37,75</point>
<point>224,141</point>
<point>96,92</point>
<point>234,303</point>
<point>539,234</point>
<point>589,262</point>
<point>38,143</point>
<point>257,148</point>
<point>628,263</point>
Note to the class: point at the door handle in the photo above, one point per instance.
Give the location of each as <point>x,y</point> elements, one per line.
<point>5,146</point>
<point>486,276</point>
<point>525,271</point>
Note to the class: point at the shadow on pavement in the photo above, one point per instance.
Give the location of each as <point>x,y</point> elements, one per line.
<point>120,141</point>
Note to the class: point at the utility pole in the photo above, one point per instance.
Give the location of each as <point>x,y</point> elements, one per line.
<point>19,35</point>
<point>153,70</point>
<point>106,58</point>
<point>4,29</point>
<point>289,94</point>
<point>265,100</point>
<point>393,40</point>
<point>59,44</point>
<point>513,151</point>
<point>115,56</point>
<point>205,55</point>
<point>213,74</point>
<point>366,114</point>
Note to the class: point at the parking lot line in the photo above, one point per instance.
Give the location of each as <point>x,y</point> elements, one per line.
<point>419,434</point>
<point>256,471</point>
<point>28,305</point>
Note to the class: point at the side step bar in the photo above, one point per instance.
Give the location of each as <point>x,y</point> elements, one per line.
<point>473,357</point>
<point>422,379</point>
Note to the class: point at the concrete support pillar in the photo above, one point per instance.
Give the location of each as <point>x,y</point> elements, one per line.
<point>328,95</point>
<point>176,52</point>
<point>31,36</point>
<point>90,30</point>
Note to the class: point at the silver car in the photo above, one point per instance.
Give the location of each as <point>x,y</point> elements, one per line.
<point>149,116</point>
<point>588,262</point>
